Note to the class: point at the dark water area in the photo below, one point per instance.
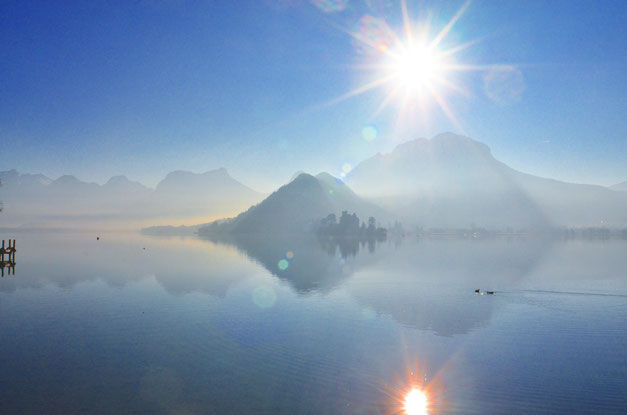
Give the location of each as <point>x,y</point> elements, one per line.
<point>148,325</point>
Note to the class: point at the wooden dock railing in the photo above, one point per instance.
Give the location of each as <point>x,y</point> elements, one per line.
<point>7,257</point>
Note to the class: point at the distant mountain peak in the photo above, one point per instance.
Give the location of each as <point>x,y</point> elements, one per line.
<point>449,136</point>
<point>441,144</point>
<point>12,172</point>
<point>410,144</point>
<point>295,175</point>
<point>176,174</point>
<point>326,176</point>
<point>296,206</point>
<point>13,176</point>
<point>329,179</point>
<point>451,139</point>
<point>222,171</point>
<point>453,181</point>
<point>117,179</point>
<point>620,186</point>
<point>67,178</point>
<point>122,183</point>
<point>303,179</point>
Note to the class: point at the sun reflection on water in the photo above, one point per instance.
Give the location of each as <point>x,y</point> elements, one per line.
<point>416,403</point>
<point>416,393</point>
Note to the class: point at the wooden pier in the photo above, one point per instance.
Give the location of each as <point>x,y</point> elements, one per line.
<point>7,257</point>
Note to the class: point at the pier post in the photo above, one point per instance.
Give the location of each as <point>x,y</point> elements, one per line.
<point>7,257</point>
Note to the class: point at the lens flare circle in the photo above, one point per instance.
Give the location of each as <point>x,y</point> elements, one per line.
<point>264,297</point>
<point>330,6</point>
<point>369,133</point>
<point>283,264</point>
<point>416,403</point>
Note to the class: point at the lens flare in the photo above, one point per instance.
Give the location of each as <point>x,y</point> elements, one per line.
<point>374,35</point>
<point>417,66</point>
<point>416,403</point>
<point>283,264</point>
<point>369,133</point>
<point>330,6</point>
<point>264,297</point>
<point>504,84</point>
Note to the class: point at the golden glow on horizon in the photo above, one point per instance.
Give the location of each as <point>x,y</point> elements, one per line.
<point>416,403</point>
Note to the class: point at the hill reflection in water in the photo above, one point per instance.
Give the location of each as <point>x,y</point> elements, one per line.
<point>308,263</point>
<point>423,285</point>
<point>169,325</point>
<point>420,283</point>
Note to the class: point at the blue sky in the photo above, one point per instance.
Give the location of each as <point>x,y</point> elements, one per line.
<point>142,88</point>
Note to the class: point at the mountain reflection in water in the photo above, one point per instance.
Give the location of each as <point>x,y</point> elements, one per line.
<point>184,325</point>
<point>447,271</point>
<point>307,263</point>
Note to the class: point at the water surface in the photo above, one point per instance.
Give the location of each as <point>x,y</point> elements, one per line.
<point>137,324</point>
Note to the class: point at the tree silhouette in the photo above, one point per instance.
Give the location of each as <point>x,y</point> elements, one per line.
<point>372,225</point>
<point>348,227</point>
<point>348,234</point>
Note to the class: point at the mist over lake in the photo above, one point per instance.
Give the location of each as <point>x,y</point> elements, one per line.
<point>140,324</point>
<point>391,207</point>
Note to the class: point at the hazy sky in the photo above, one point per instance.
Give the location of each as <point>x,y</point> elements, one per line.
<point>98,88</point>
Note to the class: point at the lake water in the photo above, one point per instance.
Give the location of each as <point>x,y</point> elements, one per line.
<point>138,324</point>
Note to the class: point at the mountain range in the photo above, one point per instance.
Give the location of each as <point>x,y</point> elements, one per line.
<point>36,200</point>
<point>454,181</point>
<point>449,181</point>
<point>296,206</point>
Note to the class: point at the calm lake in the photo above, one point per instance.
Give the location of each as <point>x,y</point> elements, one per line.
<point>139,324</point>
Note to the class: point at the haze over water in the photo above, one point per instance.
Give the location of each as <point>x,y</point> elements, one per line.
<point>191,326</point>
<point>410,207</point>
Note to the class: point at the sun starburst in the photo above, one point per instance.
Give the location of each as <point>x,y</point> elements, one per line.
<point>413,67</point>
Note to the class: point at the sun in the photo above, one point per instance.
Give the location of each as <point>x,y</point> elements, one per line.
<point>415,68</point>
<point>416,403</point>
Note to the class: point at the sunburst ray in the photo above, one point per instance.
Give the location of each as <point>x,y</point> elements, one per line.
<point>413,69</point>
